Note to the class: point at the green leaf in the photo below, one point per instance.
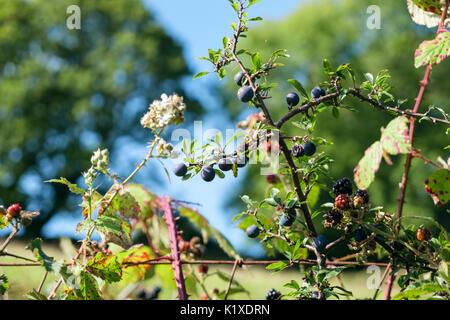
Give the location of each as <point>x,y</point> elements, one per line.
<point>256,60</point>
<point>438,186</point>
<point>327,66</point>
<point>137,254</point>
<point>277,266</point>
<point>143,197</point>
<point>432,52</point>
<point>106,267</point>
<point>4,285</point>
<point>84,225</point>
<point>34,295</point>
<point>395,138</point>
<point>200,74</point>
<point>369,77</point>
<point>297,85</point>
<point>49,263</point>
<point>252,2</point>
<point>126,204</point>
<point>368,166</point>
<point>203,225</point>
<point>72,187</point>
<point>88,286</point>
<point>255,19</point>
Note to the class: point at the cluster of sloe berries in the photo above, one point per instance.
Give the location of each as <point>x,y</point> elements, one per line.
<point>307,149</point>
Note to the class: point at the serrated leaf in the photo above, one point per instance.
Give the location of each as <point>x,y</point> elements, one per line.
<point>34,295</point>
<point>203,225</point>
<point>143,197</point>
<point>136,254</point>
<point>49,263</point>
<point>426,18</point>
<point>83,225</point>
<point>106,267</point>
<point>297,85</point>
<point>126,204</point>
<point>72,187</point>
<point>438,186</point>
<point>368,166</point>
<point>115,229</point>
<point>395,137</point>
<point>432,52</point>
<point>88,286</point>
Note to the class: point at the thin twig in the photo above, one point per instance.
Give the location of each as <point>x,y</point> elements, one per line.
<point>236,264</point>
<point>42,281</point>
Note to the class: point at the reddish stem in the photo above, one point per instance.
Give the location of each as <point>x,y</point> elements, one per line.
<point>164,205</point>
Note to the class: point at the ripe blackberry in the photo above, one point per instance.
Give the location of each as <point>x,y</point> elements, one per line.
<point>333,217</point>
<point>273,294</point>
<point>363,194</point>
<point>298,150</point>
<point>14,210</point>
<point>342,186</point>
<point>342,201</point>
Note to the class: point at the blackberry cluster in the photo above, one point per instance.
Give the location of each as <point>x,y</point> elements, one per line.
<point>332,218</point>
<point>342,186</point>
<point>273,294</point>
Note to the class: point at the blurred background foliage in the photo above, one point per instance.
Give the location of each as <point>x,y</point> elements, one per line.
<point>65,92</point>
<point>336,30</point>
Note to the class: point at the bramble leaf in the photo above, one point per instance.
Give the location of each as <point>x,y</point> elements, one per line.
<point>137,254</point>
<point>368,166</point>
<point>72,186</point>
<point>88,286</point>
<point>438,186</point>
<point>427,18</point>
<point>49,263</point>
<point>126,204</point>
<point>143,197</point>
<point>106,267</point>
<point>433,51</point>
<point>395,137</point>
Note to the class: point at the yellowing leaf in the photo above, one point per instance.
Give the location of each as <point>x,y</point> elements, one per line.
<point>368,166</point>
<point>395,137</point>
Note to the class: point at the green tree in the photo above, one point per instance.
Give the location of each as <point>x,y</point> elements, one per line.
<point>337,30</point>
<point>65,91</point>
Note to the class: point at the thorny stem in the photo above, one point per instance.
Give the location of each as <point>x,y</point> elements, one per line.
<point>11,235</point>
<point>175,252</point>
<point>409,156</point>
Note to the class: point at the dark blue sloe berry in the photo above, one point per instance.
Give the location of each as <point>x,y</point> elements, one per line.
<point>141,294</point>
<point>292,99</point>
<point>245,94</point>
<point>317,92</point>
<point>320,242</point>
<point>238,78</point>
<point>252,231</point>
<point>287,220</point>
<point>310,148</point>
<point>225,164</point>
<point>208,173</point>
<point>241,161</point>
<point>180,169</point>
<point>360,234</point>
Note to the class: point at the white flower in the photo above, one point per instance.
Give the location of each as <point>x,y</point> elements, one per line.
<point>169,110</point>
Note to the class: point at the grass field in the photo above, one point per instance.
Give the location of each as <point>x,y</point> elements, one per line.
<point>255,279</point>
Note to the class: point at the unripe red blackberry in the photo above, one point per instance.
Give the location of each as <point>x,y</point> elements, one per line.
<point>272,179</point>
<point>203,268</point>
<point>14,210</point>
<point>298,150</point>
<point>423,234</point>
<point>342,186</point>
<point>342,201</point>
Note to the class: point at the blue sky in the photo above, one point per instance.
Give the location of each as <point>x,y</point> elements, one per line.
<point>197,25</point>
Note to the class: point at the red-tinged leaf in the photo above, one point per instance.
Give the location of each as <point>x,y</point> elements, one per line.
<point>106,267</point>
<point>136,255</point>
<point>88,286</point>
<point>126,204</point>
<point>433,51</point>
<point>425,14</point>
<point>395,138</point>
<point>438,186</point>
<point>143,197</point>
<point>368,166</point>
<point>433,6</point>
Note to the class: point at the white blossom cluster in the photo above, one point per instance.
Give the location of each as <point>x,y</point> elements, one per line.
<point>161,113</point>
